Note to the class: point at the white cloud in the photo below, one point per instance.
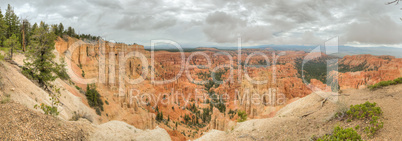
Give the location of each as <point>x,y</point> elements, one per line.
<point>219,22</point>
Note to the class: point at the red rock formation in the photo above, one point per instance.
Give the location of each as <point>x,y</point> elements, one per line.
<point>283,82</point>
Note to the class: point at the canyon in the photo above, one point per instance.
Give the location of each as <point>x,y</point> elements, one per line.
<point>191,103</point>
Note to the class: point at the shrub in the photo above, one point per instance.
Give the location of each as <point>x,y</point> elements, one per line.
<point>77,115</point>
<point>341,110</point>
<point>98,112</point>
<point>80,90</point>
<point>386,83</point>
<point>159,116</point>
<point>107,103</point>
<point>94,98</point>
<point>367,111</point>
<point>5,99</point>
<point>49,110</point>
<point>61,70</point>
<point>1,57</point>
<point>398,80</point>
<point>242,116</point>
<point>52,109</point>
<point>342,134</point>
<point>364,111</point>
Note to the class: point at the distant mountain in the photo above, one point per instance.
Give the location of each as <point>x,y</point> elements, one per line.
<point>343,50</point>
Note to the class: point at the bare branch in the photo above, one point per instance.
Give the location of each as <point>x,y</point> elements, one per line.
<point>395,1</point>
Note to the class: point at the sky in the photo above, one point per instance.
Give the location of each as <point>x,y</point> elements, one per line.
<point>209,23</point>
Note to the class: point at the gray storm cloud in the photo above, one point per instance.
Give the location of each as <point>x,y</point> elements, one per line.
<point>379,30</point>
<point>220,22</point>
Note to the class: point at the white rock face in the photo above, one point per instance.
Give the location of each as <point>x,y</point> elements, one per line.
<point>121,131</point>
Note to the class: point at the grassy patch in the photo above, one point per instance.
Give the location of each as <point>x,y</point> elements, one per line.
<point>242,116</point>
<point>5,99</point>
<point>368,112</point>
<point>1,57</point>
<point>385,83</point>
<point>341,134</point>
<point>347,68</point>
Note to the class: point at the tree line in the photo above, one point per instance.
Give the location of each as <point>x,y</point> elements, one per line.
<point>37,42</point>
<point>19,34</point>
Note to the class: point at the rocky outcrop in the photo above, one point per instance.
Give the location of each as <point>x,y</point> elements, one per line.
<point>101,60</point>
<point>371,70</point>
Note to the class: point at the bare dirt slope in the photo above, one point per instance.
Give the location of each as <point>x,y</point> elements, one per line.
<point>118,130</point>
<point>308,116</point>
<point>20,123</point>
<point>26,92</point>
<point>19,120</point>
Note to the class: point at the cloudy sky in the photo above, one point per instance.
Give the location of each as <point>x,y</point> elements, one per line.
<point>194,23</point>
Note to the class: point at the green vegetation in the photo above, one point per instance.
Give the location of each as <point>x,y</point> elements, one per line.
<point>218,74</point>
<point>242,116</point>
<point>347,68</point>
<point>369,112</point>
<point>209,85</point>
<point>385,83</point>
<point>62,71</point>
<point>10,25</point>
<point>159,116</point>
<point>77,115</point>
<point>1,57</point>
<point>231,113</point>
<point>197,118</point>
<point>94,98</point>
<point>37,41</point>
<point>364,111</point>
<point>3,28</point>
<point>51,109</point>
<point>340,134</point>
<point>39,65</point>
<point>203,75</point>
<point>16,33</point>
<point>313,69</point>
<point>5,99</point>
<point>13,43</point>
<point>218,102</point>
<point>98,112</point>
<point>206,115</point>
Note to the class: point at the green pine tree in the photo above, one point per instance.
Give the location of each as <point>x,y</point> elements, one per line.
<point>55,29</point>
<point>60,29</point>
<point>12,22</point>
<point>3,29</point>
<point>39,63</point>
<point>12,43</point>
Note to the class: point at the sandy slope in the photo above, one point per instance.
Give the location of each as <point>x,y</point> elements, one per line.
<point>291,122</point>
<point>24,91</point>
<point>118,130</point>
<point>299,120</point>
<point>21,121</point>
